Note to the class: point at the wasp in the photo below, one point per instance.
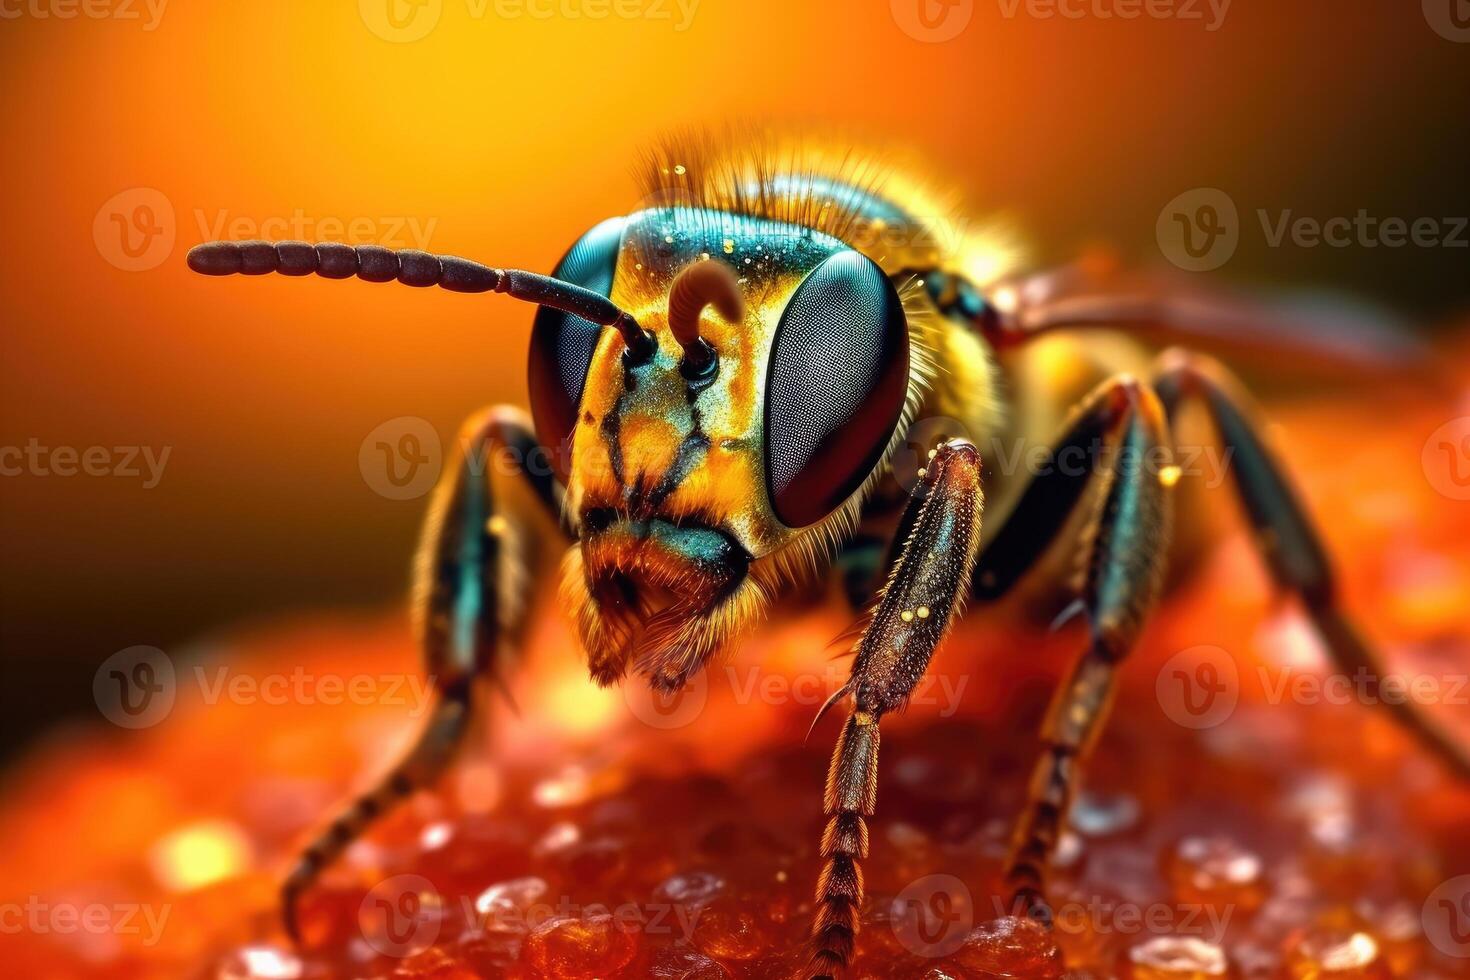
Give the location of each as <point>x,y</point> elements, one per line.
<point>722,382</point>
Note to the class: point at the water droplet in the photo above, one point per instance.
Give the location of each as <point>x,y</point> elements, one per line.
<point>1178,958</point>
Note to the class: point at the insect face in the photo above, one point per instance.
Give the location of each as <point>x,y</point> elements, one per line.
<point>779,376</point>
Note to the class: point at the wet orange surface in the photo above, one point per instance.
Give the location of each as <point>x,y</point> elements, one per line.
<point>1242,817</point>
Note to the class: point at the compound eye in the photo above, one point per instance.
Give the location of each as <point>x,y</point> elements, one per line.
<point>562,344</point>
<point>835,388</point>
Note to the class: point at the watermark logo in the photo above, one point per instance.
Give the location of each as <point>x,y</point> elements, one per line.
<point>1199,230</point>
<point>932,21</point>
<point>668,710</point>
<point>401,21</point>
<point>149,13</point>
<point>401,458</point>
<point>136,687</point>
<point>406,21</point>
<point>1209,463</point>
<point>1446,459</point>
<point>126,462</point>
<point>912,456</point>
<point>1199,687</point>
<point>135,229</point>
<point>42,918</point>
<point>1210,13</point>
<point>400,915</point>
<point>387,230</point>
<point>933,916</point>
<point>1450,19</point>
<point>942,692</point>
<point>1446,917</point>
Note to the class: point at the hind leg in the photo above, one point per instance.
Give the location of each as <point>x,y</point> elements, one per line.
<point>1288,542</point>
<point>469,595</point>
<point>1123,548</point>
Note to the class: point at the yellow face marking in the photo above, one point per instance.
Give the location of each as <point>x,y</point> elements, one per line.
<point>639,426</point>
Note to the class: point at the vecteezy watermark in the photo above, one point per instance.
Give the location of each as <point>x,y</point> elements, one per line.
<point>1362,230</point>
<point>667,710</point>
<point>932,21</point>
<point>1200,687</point>
<point>1024,457</point>
<point>935,915</point>
<point>1446,917</point>
<point>1446,458</point>
<point>123,462</point>
<point>134,230</point>
<point>401,458</point>
<point>149,13</point>
<point>1450,19</point>
<point>1209,13</point>
<point>404,914</point>
<point>405,21</point>
<point>401,915</point>
<point>390,231</point>
<point>138,687</point>
<point>1200,230</point>
<point>137,229</point>
<point>753,685</point>
<point>1099,915</point>
<point>650,918</point>
<point>135,687</point>
<point>300,686</point>
<point>40,917</point>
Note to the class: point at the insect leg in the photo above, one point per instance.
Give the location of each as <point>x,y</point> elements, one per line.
<point>1289,544</point>
<point>469,592</point>
<point>1123,550</point>
<point>913,612</point>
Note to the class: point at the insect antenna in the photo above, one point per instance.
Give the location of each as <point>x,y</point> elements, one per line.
<point>374,263</point>
<point>702,284</point>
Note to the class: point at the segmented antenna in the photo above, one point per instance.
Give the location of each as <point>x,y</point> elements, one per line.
<point>374,263</point>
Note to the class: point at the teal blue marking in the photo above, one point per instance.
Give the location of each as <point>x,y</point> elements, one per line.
<point>470,566</point>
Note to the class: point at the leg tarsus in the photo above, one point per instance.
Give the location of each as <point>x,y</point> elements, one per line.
<point>427,758</point>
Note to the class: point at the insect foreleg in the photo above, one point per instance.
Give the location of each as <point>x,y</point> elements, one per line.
<point>1288,542</point>
<point>469,595</point>
<point>1124,546</point>
<point>913,612</point>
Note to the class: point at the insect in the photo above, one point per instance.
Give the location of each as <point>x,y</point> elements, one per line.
<point>722,383</point>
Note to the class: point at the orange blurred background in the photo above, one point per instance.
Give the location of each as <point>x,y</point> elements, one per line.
<point>501,134</point>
